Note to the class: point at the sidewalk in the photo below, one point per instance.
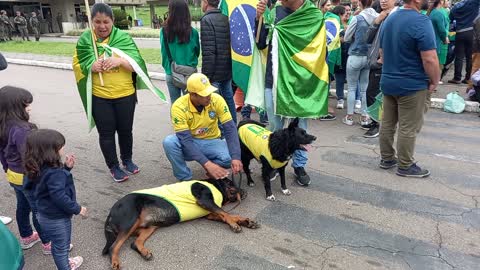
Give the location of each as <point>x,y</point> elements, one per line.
<point>157,73</point>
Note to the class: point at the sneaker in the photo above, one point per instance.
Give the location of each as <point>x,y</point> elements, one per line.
<point>47,248</point>
<point>302,177</point>
<point>358,104</point>
<point>28,242</point>
<point>364,120</point>
<point>440,82</point>
<point>387,164</point>
<point>373,132</point>
<point>328,117</point>
<point>130,167</point>
<point>369,125</point>
<point>347,121</point>
<point>340,103</point>
<point>5,220</point>
<point>118,174</point>
<point>75,262</point>
<point>454,81</point>
<point>413,171</point>
<point>273,175</point>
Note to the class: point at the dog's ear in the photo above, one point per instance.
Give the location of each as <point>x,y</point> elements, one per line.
<point>293,124</point>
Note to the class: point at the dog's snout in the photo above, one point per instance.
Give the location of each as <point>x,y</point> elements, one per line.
<point>314,138</point>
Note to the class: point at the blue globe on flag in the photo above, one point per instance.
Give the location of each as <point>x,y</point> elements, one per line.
<point>332,31</point>
<point>242,29</point>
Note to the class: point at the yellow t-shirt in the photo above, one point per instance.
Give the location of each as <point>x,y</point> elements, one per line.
<point>14,178</point>
<point>117,83</point>
<point>256,139</point>
<point>204,124</point>
<point>181,197</point>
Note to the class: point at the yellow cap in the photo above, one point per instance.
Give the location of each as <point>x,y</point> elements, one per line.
<point>199,84</point>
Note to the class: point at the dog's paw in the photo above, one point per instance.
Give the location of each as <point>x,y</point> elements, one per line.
<point>271,198</point>
<point>251,184</point>
<point>115,265</point>
<point>236,228</point>
<point>286,192</point>
<point>252,224</point>
<point>148,256</point>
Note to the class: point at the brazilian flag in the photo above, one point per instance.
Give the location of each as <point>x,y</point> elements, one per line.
<point>300,71</point>
<point>119,44</point>
<point>248,63</point>
<point>333,26</point>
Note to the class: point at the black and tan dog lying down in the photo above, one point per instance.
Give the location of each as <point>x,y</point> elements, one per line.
<point>141,212</point>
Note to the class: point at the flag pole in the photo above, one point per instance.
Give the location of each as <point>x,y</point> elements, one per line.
<point>94,40</point>
<point>259,28</point>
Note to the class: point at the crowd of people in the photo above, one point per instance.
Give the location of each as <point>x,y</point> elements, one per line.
<point>387,47</point>
<point>20,24</point>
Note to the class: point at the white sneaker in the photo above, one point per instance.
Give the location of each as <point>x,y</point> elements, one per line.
<point>75,262</point>
<point>440,82</point>
<point>358,104</point>
<point>365,120</point>
<point>340,103</point>
<point>5,220</point>
<point>347,121</point>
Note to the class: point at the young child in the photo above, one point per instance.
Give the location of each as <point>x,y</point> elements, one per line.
<point>54,192</point>
<point>14,127</point>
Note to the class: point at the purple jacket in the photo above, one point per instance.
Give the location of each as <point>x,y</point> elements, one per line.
<point>12,150</point>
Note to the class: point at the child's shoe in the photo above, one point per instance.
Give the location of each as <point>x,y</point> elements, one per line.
<point>75,262</point>
<point>28,242</point>
<point>118,174</point>
<point>130,167</point>
<point>47,248</point>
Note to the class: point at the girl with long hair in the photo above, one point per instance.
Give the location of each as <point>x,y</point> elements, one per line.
<point>182,40</point>
<point>15,107</point>
<point>54,192</point>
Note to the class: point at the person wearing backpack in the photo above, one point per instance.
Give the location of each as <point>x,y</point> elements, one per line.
<point>388,7</point>
<point>357,63</point>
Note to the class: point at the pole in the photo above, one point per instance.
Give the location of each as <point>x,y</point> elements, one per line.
<point>259,28</point>
<point>94,40</point>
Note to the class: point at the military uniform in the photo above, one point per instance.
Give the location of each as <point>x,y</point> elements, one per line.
<point>21,23</point>
<point>5,28</point>
<point>35,24</point>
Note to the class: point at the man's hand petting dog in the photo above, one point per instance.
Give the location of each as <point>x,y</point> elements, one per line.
<point>237,166</point>
<point>215,171</point>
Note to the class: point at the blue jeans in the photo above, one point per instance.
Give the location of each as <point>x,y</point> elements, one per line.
<point>216,150</point>
<point>25,205</point>
<point>225,90</point>
<point>60,232</point>
<point>174,91</point>
<point>340,79</point>
<point>300,157</point>
<point>357,70</point>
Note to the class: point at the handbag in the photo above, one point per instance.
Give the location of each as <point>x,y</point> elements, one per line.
<point>180,73</point>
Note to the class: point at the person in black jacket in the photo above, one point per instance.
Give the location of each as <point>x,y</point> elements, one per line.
<point>216,52</point>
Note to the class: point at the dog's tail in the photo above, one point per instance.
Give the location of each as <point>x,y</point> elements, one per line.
<point>250,121</point>
<point>110,235</point>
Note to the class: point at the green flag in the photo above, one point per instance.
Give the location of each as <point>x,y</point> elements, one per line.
<point>121,44</point>
<point>300,71</point>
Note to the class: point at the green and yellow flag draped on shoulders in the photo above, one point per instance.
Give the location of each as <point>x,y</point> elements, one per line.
<point>121,44</point>
<point>299,57</point>
<point>333,26</point>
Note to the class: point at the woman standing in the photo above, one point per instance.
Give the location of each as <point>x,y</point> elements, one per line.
<point>440,26</point>
<point>182,40</point>
<point>108,87</point>
<point>357,63</point>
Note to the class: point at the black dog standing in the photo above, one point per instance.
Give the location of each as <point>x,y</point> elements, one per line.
<point>273,150</point>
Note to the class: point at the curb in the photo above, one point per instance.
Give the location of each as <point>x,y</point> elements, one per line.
<point>154,75</point>
<point>436,103</point>
<point>135,38</point>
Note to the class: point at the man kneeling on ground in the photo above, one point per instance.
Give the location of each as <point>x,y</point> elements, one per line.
<point>195,118</point>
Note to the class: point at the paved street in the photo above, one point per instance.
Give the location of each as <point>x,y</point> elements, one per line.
<point>141,43</point>
<point>353,216</point>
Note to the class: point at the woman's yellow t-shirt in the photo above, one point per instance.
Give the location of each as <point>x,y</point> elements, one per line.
<point>117,82</point>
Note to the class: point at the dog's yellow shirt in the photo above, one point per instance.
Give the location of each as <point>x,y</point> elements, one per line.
<point>181,197</point>
<point>256,139</point>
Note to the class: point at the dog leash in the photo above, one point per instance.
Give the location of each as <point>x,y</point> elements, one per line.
<point>238,187</point>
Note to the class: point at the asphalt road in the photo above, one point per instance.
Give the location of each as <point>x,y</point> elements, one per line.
<point>354,215</point>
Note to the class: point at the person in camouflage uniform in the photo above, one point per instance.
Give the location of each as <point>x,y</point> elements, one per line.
<point>21,24</point>
<point>9,26</point>
<point>5,27</point>
<point>35,24</point>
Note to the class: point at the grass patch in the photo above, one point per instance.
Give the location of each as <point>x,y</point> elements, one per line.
<point>151,56</point>
<point>143,13</point>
